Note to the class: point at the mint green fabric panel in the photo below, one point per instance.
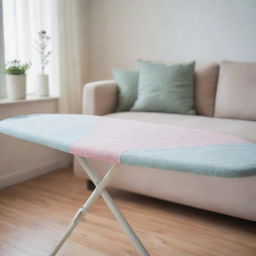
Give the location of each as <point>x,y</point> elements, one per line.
<point>127,82</point>
<point>226,160</point>
<point>165,88</point>
<point>58,131</point>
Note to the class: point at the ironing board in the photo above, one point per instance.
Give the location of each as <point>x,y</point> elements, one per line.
<point>130,142</point>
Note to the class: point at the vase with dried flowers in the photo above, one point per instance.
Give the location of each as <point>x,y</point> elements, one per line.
<point>15,73</point>
<point>42,78</point>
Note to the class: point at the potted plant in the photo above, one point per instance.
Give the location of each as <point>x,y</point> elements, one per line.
<point>42,79</point>
<point>16,79</point>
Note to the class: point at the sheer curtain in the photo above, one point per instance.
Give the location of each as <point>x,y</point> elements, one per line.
<point>23,19</point>
<point>64,22</point>
<point>72,52</point>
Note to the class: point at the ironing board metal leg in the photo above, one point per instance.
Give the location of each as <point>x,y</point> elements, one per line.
<point>100,186</point>
<point>115,210</point>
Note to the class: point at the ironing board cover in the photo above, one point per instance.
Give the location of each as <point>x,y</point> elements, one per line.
<point>138,143</point>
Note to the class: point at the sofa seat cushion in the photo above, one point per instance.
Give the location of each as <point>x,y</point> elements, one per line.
<point>240,128</point>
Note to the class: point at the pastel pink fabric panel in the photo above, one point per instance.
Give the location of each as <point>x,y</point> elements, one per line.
<point>111,137</point>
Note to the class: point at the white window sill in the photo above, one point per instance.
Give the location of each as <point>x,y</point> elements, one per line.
<point>31,98</point>
<point>31,105</point>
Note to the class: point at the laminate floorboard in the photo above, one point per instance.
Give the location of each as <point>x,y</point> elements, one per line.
<point>34,214</point>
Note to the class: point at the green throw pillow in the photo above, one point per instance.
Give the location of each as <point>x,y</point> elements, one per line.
<point>165,88</point>
<point>127,82</point>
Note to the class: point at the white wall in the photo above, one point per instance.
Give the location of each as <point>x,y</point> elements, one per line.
<point>21,160</point>
<point>121,31</point>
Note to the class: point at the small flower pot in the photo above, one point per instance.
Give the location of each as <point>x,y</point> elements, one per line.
<point>42,85</point>
<point>16,86</point>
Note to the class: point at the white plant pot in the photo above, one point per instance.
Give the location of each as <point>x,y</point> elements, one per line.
<point>16,86</point>
<point>42,85</point>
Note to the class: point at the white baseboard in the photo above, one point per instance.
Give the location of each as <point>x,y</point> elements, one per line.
<point>27,174</point>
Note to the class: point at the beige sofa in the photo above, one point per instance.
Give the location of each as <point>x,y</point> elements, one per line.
<point>231,196</point>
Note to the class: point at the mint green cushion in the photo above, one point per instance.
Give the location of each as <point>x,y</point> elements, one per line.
<point>127,82</point>
<point>165,88</point>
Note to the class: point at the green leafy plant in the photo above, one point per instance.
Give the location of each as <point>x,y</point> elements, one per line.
<point>15,68</point>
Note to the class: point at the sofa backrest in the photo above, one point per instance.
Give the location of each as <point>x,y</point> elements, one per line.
<point>236,91</point>
<point>206,78</point>
<point>226,90</point>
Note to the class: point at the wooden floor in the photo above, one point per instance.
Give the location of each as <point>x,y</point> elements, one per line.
<point>35,213</point>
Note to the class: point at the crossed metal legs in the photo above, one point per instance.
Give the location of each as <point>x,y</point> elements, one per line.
<point>100,186</point>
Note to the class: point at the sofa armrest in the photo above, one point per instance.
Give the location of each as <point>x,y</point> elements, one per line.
<point>100,98</point>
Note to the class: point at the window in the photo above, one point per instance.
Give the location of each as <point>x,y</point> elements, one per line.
<point>22,20</point>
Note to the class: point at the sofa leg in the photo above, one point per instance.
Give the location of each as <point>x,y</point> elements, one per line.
<point>90,185</point>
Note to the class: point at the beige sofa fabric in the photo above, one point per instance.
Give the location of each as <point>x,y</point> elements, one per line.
<point>100,98</point>
<point>240,128</point>
<point>206,77</point>
<point>236,91</point>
